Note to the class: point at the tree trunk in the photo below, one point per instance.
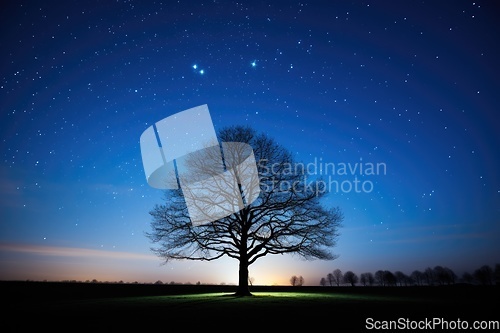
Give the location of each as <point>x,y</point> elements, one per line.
<point>243,289</point>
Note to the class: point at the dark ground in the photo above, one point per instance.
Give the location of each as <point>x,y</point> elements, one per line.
<point>95,307</point>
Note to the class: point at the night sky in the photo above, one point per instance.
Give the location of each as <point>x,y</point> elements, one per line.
<point>412,85</point>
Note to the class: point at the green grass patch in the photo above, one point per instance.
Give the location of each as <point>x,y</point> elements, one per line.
<point>228,302</point>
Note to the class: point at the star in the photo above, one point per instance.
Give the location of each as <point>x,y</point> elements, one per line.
<point>201,71</point>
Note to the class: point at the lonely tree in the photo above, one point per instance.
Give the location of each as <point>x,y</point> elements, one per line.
<point>286,216</point>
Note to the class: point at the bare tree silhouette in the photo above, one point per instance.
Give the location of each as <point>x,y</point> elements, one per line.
<point>367,279</point>
<point>287,216</point>
<point>351,278</point>
<point>330,278</point>
<point>484,275</point>
<point>389,278</point>
<point>338,277</point>
<point>296,281</point>
<point>401,278</point>
<point>429,276</point>
<point>444,275</point>
<point>323,282</point>
<point>363,279</point>
<point>251,280</point>
<point>417,277</point>
<point>380,277</point>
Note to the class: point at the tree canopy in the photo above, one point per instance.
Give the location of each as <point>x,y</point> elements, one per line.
<point>287,216</point>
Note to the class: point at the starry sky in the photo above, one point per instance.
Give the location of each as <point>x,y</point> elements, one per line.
<point>411,85</point>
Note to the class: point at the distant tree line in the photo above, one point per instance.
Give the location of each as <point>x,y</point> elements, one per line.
<point>437,276</point>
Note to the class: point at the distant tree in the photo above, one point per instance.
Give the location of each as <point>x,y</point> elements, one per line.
<point>429,276</point>
<point>370,278</point>
<point>390,278</point>
<point>288,216</point>
<point>451,277</point>
<point>444,275</point>
<point>338,277</point>
<point>251,280</point>
<point>418,277</point>
<point>484,275</point>
<point>330,278</point>
<point>379,278</point>
<point>401,278</point>
<point>367,279</point>
<point>439,274</point>
<point>159,282</point>
<point>497,274</point>
<point>351,278</point>
<point>296,281</point>
<point>301,281</point>
<point>363,279</point>
<point>323,282</point>
<point>385,277</point>
<point>467,278</point>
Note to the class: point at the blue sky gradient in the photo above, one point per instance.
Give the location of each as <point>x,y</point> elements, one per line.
<point>412,85</point>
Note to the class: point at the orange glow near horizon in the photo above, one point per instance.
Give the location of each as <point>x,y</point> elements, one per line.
<point>51,263</point>
<point>71,251</point>
<point>37,262</point>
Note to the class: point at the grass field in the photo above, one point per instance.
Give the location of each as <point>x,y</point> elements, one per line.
<point>94,307</point>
